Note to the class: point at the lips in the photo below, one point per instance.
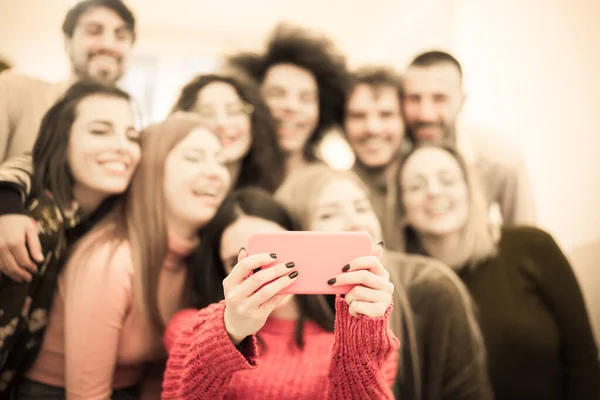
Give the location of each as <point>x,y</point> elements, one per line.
<point>112,165</point>
<point>288,129</point>
<point>374,143</point>
<point>439,208</point>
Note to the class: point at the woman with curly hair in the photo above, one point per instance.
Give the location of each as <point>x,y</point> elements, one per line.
<point>231,104</point>
<point>302,78</point>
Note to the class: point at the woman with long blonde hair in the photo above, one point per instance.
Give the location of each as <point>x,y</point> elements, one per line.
<point>536,329</point>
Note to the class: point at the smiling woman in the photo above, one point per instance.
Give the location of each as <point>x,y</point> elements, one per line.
<point>70,181</point>
<point>124,279</point>
<point>231,104</point>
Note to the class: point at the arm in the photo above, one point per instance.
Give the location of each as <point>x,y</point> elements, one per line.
<point>202,357</point>
<point>17,229</point>
<point>362,348</point>
<point>5,116</point>
<point>562,293</point>
<point>16,175</point>
<point>97,294</point>
<point>453,356</point>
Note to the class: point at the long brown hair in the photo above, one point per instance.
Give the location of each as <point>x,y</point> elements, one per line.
<point>263,165</point>
<point>51,169</point>
<point>140,219</point>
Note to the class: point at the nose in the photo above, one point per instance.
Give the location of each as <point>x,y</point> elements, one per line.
<point>433,188</point>
<point>221,119</point>
<point>426,111</point>
<point>373,125</point>
<point>351,222</point>
<point>290,102</point>
<point>108,40</point>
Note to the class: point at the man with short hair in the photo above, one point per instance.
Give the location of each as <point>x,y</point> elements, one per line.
<point>432,100</point>
<point>375,131</point>
<point>99,36</point>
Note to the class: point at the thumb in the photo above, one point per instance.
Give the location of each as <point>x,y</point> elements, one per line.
<point>33,243</point>
<point>242,254</point>
<point>377,250</point>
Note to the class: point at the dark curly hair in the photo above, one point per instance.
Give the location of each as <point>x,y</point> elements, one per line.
<point>289,44</point>
<point>263,165</point>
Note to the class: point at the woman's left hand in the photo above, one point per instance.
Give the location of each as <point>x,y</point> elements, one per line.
<point>373,294</point>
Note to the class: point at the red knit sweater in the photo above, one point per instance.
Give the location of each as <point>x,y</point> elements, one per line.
<point>357,361</point>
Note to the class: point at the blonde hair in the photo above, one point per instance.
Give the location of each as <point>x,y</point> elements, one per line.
<point>479,236</point>
<point>300,190</point>
<point>298,195</point>
<point>140,217</point>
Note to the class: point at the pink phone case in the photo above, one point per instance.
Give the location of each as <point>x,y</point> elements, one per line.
<point>319,256</point>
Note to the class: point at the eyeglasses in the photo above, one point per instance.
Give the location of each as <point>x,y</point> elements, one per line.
<point>210,114</point>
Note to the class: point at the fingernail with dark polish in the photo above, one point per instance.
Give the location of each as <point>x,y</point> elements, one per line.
<point>293,274</point>
<point>381,243</point>
<point>331,281</point>
<point>290,264</point>
<point>273,255</point>
<point>346,268</point>
<point>255,270</point>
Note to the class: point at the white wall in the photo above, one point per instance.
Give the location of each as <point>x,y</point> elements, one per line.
<point>532,73</point>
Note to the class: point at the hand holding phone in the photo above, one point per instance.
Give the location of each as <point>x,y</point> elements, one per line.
<point>317,256</point>
<point>248,301</point>
<point>371,295</point>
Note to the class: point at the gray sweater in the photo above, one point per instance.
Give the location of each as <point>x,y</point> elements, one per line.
<point>443,353</point>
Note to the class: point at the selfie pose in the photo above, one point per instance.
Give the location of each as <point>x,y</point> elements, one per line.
<point>536,329</point>
<point>443,355</point>
<point>244,340</point>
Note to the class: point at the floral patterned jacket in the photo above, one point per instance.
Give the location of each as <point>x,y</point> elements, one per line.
<point>24,307</point>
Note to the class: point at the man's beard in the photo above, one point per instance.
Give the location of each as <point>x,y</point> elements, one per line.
<point>106,76</point>
<point>447,137</point>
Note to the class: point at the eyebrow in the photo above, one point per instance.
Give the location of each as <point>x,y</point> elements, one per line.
<point>102,122</point>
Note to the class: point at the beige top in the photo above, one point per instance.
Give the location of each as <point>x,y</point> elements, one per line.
<point>502,178</point>
<point>23,103</point>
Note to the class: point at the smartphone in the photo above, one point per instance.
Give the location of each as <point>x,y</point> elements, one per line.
<point>319,256</point>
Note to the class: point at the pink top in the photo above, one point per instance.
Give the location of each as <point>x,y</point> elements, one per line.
<point>356,361</point>
<point>96,341</point>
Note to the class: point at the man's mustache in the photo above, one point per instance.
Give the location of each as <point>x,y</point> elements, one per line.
<point>105,52</point>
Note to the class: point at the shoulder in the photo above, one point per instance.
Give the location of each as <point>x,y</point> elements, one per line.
<point>427,279</point>
<point>100,250</point>
<point>525,237</point>
<point>14,80</point>
<point>490,147</point>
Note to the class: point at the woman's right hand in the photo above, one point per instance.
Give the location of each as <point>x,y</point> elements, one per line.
<point>249,300</point>
<point>16,233</point>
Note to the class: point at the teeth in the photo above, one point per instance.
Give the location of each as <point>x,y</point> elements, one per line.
<point>115,166</point>
<point>440,208</point>
<point>205,191</point>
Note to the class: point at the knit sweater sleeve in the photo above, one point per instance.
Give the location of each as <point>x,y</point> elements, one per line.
<point>202,357</point>
<point>454,364</point>
<point>362,348</point>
